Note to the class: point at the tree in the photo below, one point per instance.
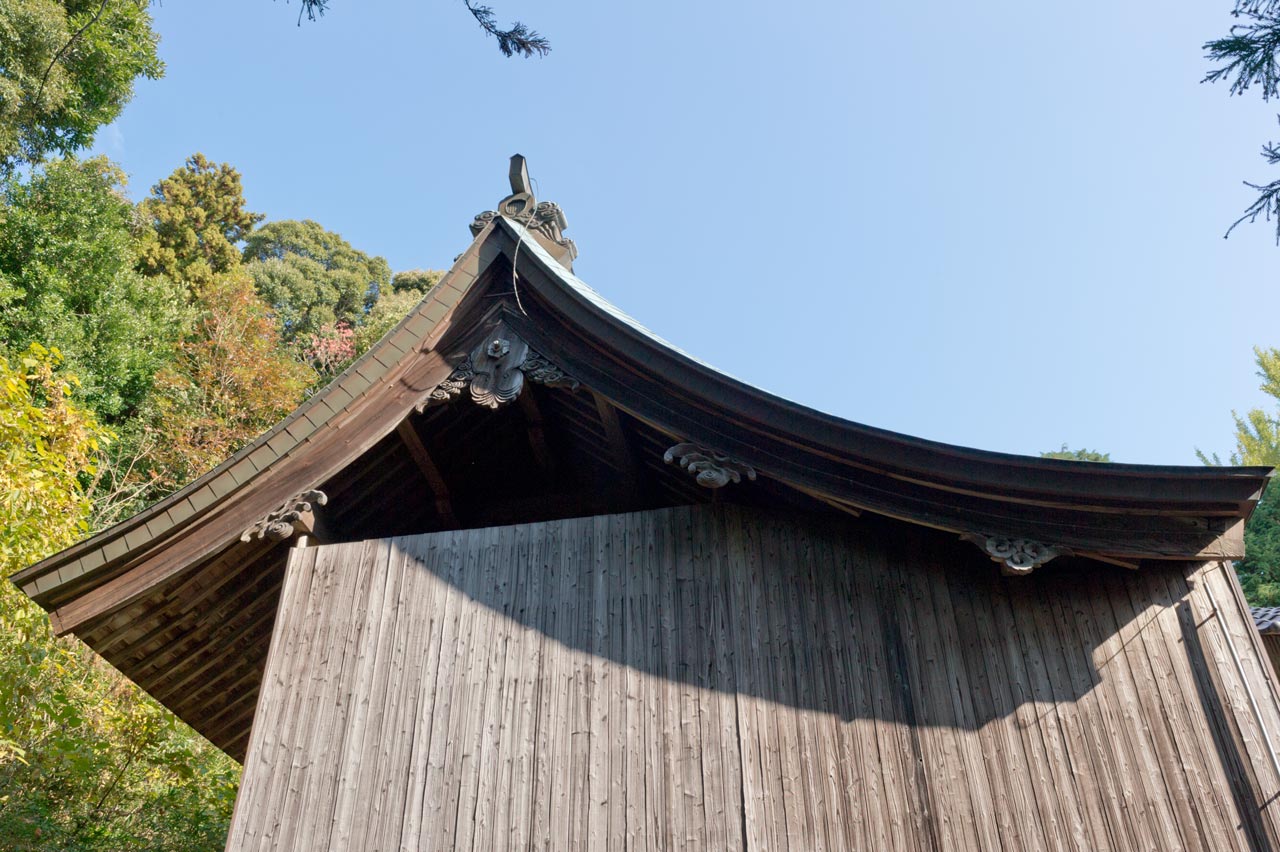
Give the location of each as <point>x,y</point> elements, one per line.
<point>66,69</point>
<point>1077,455</point>
<point>1258,443</point>
<point>231,381</point>
<point>407,290</point>
<point>1257,432</point>
<point>1249,56</point>
<point>87,761</point>
<point>312,278</point>
<point>47,444</point>
<point>416,281</point>
<point>335,345</point>
<point>67,252</point>
<point>197,217</point>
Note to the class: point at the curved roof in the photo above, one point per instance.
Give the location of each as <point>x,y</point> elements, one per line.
<point>135,590</point>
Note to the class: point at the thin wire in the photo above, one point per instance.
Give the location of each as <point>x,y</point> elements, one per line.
<point>515,256</point>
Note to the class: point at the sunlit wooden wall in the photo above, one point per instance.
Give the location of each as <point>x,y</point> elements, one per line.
<point>720,678</point>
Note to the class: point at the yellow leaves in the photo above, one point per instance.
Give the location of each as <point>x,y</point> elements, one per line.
<point>48,443</point>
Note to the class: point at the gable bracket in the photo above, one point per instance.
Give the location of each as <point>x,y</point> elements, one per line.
<point>1017,556</point>
<point>708,468</point>
<point>296,516</point>
<point>494,372</point>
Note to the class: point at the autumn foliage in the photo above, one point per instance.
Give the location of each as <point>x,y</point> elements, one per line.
<point>192,346</point>
<point>231,380</point>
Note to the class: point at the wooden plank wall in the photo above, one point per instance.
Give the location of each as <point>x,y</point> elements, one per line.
<point>721,678</point>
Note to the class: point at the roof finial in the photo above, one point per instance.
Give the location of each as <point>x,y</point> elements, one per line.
<point>546,220</point>
<point>520,175</point>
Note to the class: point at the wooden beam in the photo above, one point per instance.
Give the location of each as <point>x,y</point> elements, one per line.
<point>431,473</point>
<point>618,443</point>
<point>537,433</point>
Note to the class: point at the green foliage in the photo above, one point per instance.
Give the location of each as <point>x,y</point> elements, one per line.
<point>407,289</point>
<point>154,307</point>
<point>1259,571</point>
<point>1257,432</point>
<point>87,761</point>
<point>1077,455</point>
<point>66,69</point>
<point>95,765</point>
<point>67,251</point>
<point>417,281</point>
<point>313,278</point>
<point>197,216</point>
<point>1258,443</point>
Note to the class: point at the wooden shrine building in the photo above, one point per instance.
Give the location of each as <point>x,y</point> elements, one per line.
<point>527,577</point>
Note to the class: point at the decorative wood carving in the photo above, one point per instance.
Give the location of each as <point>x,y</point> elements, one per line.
<point>709,468</point>
<point>295,516</point>
<point>544,217</point>
<point>541,371</point>
<point>496,371</point>
<point>498,378</point>
<point>451,386</point>
<point>1017,556</point>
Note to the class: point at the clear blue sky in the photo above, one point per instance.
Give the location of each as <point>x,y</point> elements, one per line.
<point>995,224</point>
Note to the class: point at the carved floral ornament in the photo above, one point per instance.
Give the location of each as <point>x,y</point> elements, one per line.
<point>496,370</point>
<point>1017,556</point>
<point>709,468</point>
<point>282,523</point>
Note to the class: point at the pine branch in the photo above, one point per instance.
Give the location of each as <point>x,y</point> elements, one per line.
<point>519,39</point>
<point>1249,54</point>
<point>313,9</point>
<point>1255,8</point>
<point>1267,204</point>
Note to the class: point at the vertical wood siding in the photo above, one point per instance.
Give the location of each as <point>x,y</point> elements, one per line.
<point>721,678</point>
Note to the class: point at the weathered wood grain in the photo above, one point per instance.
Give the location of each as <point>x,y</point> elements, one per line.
<point>721,678</point>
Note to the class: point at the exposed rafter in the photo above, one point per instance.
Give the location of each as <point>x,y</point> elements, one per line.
<point>618,443</point>
<point>427,466</point>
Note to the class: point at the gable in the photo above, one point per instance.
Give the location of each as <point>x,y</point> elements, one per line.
<point>514,393</point>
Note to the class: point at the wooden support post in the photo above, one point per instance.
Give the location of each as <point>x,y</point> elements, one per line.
<point>435,480</point>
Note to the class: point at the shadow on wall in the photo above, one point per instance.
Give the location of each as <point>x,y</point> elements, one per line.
<point>861,620</point>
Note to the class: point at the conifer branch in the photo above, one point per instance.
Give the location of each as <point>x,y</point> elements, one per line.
<point>1250,56</point>
<point>519,39</point>
<point>1267,204</point>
